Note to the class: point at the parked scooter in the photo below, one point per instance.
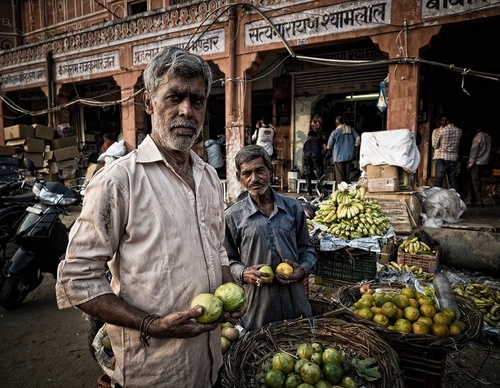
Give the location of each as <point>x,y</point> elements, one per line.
<point>42,238</point>
<point>15,197</point>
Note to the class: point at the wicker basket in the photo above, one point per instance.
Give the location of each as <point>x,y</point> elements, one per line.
<point>346,296</point>
<point>422,357</point>
<point>246,361</point>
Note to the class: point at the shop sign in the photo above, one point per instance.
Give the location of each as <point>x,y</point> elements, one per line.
<point>97,89</point>
<point>350,16</point>
<point>211,42</point>
<point>436,8</point>
<point>86,66</point>
<point>33,95</point>
<point>23,78</point>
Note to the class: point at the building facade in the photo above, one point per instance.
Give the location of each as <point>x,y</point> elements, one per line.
<point>80,63</point>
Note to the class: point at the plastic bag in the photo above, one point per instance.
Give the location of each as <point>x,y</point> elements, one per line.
<point>115,151</point>
<point>441,206</point>
<point>102,355</point>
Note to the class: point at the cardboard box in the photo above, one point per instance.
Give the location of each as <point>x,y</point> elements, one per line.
<point>56,167</point>
<point>43,132</point>
<point>7,150</point>
<point>48,155</point>
<point>29,144</point>
<point>64,142</point>
<point>382,171</point>
<point>36,158</point>
<point>18,132</point>
<point>92,169</point>
<point>383,184</point>
<point>66,153</point>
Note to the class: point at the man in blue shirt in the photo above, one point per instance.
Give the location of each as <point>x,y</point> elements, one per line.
<point>342,143</point>
<point>266,228</point>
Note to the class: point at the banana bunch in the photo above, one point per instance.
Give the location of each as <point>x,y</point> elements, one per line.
<point>415,246</point>
<point>417,270</point>
<point>485,298</point>
<point>347,214</point>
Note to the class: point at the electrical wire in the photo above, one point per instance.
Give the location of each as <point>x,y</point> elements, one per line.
<point>291,54</point>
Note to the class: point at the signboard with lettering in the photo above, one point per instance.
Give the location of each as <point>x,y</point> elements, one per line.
<point>436,8</point>
<point>85,66</point>
<point>343,17</point>
<point>211,42</point>
<point>23,78</point>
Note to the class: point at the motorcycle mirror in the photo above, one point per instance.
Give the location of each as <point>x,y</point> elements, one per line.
<point>29,165</point>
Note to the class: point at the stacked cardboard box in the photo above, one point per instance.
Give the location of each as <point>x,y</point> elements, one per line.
<point>387,178</point>
<point>54,158</point>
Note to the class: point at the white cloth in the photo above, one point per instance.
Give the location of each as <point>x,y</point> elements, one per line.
<point>264,137</point>
<point>395,147</point>
<point>115,151</point>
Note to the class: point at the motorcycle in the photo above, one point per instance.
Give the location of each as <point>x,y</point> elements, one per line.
<point>42,238</point>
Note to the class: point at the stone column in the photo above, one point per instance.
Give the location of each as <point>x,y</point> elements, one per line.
<point>238,111</point>
<point>126,81</point>
<point>403,89</point>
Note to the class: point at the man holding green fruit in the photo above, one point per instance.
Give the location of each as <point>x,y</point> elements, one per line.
<point>130,221</point>
<point>263,231</point>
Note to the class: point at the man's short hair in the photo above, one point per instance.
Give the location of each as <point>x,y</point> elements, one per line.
<point>174,61</point>
<point>252,152</point>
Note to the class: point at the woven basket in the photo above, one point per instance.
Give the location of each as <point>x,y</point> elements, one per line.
<point>246,361</point>
<point>346,296</point>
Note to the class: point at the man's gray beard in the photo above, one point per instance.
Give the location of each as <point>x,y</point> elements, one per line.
<point>259,192</point>
<point>167,140</point>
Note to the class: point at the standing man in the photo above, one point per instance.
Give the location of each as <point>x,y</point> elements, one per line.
<point>434,137</point>
<point>130,221</point>
<point>266,228</point>
<point>313,154</point>
<point>479,157</point>
<point>447,141</point>
<point>342,144</point>
<point>215,157</point>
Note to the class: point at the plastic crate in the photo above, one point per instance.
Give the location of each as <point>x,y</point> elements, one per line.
<point>347,264</point>
<point>420,368</point>
<point>427,262</point>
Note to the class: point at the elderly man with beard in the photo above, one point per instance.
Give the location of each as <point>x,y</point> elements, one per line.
<point>156,218</point>
<point>266,228</point>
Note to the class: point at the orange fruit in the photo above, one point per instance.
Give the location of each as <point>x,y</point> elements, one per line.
<point>428,310</point>
<point>213,307</point>
<point>440,330</point>
<point>284,268</point>
<point>390,310</point>
<point>403,325</point>
<point>411,313</point>
<point>409,292</point>
<point>442,318</point>
<point>283,362</point>
<point>420,327</point>
<point>401,301</point>
<point>268,270</point>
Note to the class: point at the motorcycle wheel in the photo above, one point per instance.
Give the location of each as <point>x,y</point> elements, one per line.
<point>13,293</point>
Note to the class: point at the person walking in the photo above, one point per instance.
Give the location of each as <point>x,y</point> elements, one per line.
<point>266,228</point>
<point>447,141</point>
<point>130,222</point>
<point>264,136</point>
<point>479,157</point>
<point>313,154</point>
<point>342,145</point>
<point>215,158</point>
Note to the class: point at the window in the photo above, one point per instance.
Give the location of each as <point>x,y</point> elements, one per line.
<point>137,7</point>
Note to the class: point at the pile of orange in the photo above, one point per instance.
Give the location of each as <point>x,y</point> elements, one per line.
<point>409,311</point>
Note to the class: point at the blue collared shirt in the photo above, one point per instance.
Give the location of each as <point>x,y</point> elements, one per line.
<point>254,238</point>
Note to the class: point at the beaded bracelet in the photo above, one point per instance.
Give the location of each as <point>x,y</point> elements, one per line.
<point>144,329</point>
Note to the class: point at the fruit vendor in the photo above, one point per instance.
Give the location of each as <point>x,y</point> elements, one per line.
<point>154,216</point>
<point>264,230</point>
